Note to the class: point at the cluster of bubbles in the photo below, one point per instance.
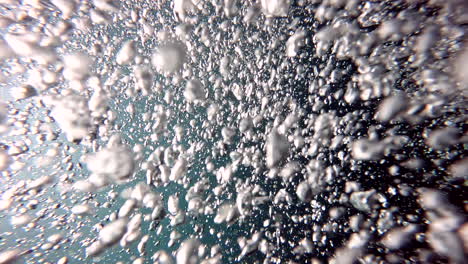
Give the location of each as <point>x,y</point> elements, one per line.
<point>232,131</point>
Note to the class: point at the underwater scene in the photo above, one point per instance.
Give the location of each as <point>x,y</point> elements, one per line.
<point>233,131</point>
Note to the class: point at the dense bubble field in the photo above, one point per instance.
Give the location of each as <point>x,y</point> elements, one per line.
<point>233,131</point>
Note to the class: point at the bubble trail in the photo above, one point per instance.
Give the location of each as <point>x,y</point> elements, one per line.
<point>232,131</point>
